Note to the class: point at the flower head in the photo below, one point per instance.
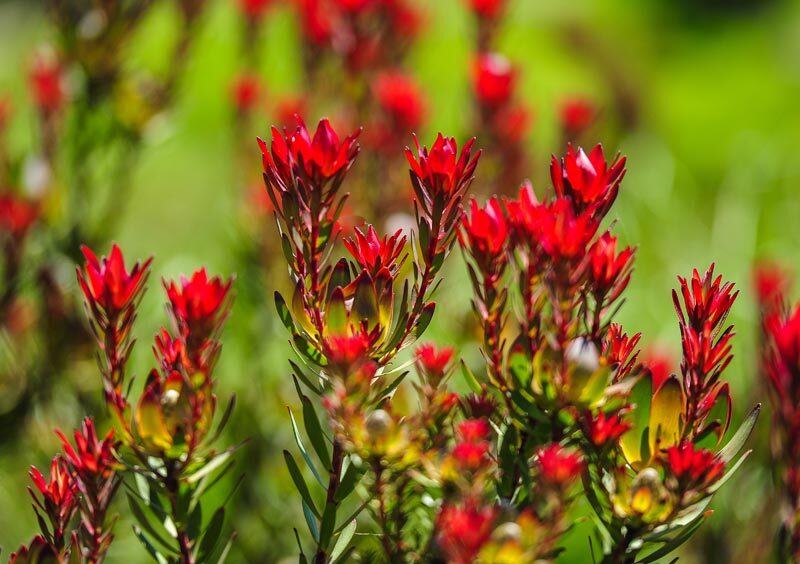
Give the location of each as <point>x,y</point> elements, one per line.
<point>91,459</point>
<point>17,214</point>
<point>771,282</point>
<point>47,83</point>
<point>199,304</point>
<point>107,284</point>
<point>401,100</point>
<point>245,92</point>
<point>609,272</point>
<point>433,362</point>
<point>619,350</point>
<point>558,466</point>
<point>374,253</point>
<point>576,115</point>
<point>605,428</point>
<point>484,234</point>
<point>494,78</point>
<point>588,179</point>
<point>560,232</point>
<point>464,529</point>
<point>58,499</point>
<point>442,170</point>
<point>695,468</point>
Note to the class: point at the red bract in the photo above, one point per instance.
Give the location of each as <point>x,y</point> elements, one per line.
<point>246,92</point>
<point>603,428</point>
<point>471,456</point>
<point>576,115</point>
<point>463,530</point>
<point>38,551</point>
<point>783,358</point>
<point>58,499</point>
<point>297,167</point>
<point>609,272</point>
<point>772,282</point>
<point>442,170</point>
<point>588,179</point>
<point>374,253</point>
<point>485,235</point>
<point>17,215</point>
<point>433,362</point>
<point>558,466</point>
<point>694,467</point>
<point>47,84</point>
<point>345,353</point>
<point>489,9</point>
<point>619,350</point>
<point>254,9</point>
<point>493,79</point>
<point>401,99</point>
<point>706,301</point>
<point>199,304</point>
<point>316,21</point>
<point>107,284</point>
<point>561,233</point>
<point>510,124</point>
<point>473,430</point>
<point>92,458</point>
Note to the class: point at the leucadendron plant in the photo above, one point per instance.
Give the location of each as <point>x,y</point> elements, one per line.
<point>160,447</point>
<point>559,408</point>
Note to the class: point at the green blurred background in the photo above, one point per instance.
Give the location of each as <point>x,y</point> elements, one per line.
<point>713,175</point>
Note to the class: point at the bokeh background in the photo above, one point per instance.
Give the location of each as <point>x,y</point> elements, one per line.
<point>701,95</point>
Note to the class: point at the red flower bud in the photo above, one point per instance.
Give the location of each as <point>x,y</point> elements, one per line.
<point>494,79</point>
<point>401,100</point>
<point>772,282</point>
<point>107,284</point>
<point>471,456</point>
<point>373,253</point>
<point>47,84</point>
<point>199,305</point>
<point>619,350</point>
<point>442,170</point>
<point>603,429</point>
<point>609,272</point>
<point>484,234</point>
<point>245,92</point>
<point>433,362</point>
<point>694,467</point>
<point>17,215</point>
<point>463,530</point>
<point>92,459</point>
<point>473,430</point>
<point>588,179</point>
<point>558,466</point>
<point>576,115</point>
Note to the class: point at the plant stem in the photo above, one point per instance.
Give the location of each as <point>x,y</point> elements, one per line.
<point>337,457</point>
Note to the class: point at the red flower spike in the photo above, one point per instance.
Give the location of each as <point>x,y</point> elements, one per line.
<point>58,499</point>
<point>433,362</point>
<point>108,284</point>
<point>493,79</point>
<point>92,459</point>
<point>558,467</point>
<point>620,351</point>
<point>441,171</point>
<point>609,272</point>
<point>485,234</point>
<point>47,84</point>
<point>588,179</point>
<point>463,530</point>
<point>473,430</point>
<point>488,9</point>
<point>561,233</point>
<point>245,93</point>
<point>782,358</point>
<point>695,468</point>
<point>603,429</point>
<point>471,456</point>
<point>373,253</point>
<point>576,115</point>
<point>706,301</point>
<point>199,304</point>
<point>17,215</point>
<point>401,100</point>
<point>772,282</point>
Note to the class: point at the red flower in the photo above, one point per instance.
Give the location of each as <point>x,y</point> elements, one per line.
<point>299,165</point>
<point>620,350</point>
<point>433,362</point>
<point>558,466</point>
<point>489,9</point>
<point>772,282</point>
<point>374,253</point>
<point>493,79</point>
<point>58,499</point>
<point>471,456</point>
<point>347,352</point>
<point>108,284</point>
<point>603,429</point>
<point>92,458</point>
<point>288,108</point>
<point>199,304</point>
<point>17,215</point>
<point>609,272</point>
<point>510,123</point>
<point>401,99</point>
<point>46,83</point>
<point>442,171</point>
<point>463,530</point>
<point>485,235</point>
<point>694,467</point>
<point>706,301</point>
<point>254,9</point>
<point>782,358</point>
<point>246,92</point>
<point>316,20</point>
<point>588,179</point>
<point>576,115</point>
<point>473,430</point>
<point>560,232</point>
<point>38,551</point>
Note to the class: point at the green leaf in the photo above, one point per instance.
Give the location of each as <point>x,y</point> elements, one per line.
<point>679,539</point>
<point>284,313</point>
<point>350,479</point>
<point>666,415</point>
<point>730,450</point>
<point>145,523</point>
<point>224,555</point>
<point>424,319</point>
<point>311,522</point>
<point>303,377</point>
<point>299,482</point>
<point>634,439</point>
<point>304,452</point>
<point>729,473</point>
<point>211,465</point>
<point>344,540</point>
<point>151,550</point>
<point>212,535</point>
<point>470,378</point>
<point>327,524</point>
<point>315,432</point>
